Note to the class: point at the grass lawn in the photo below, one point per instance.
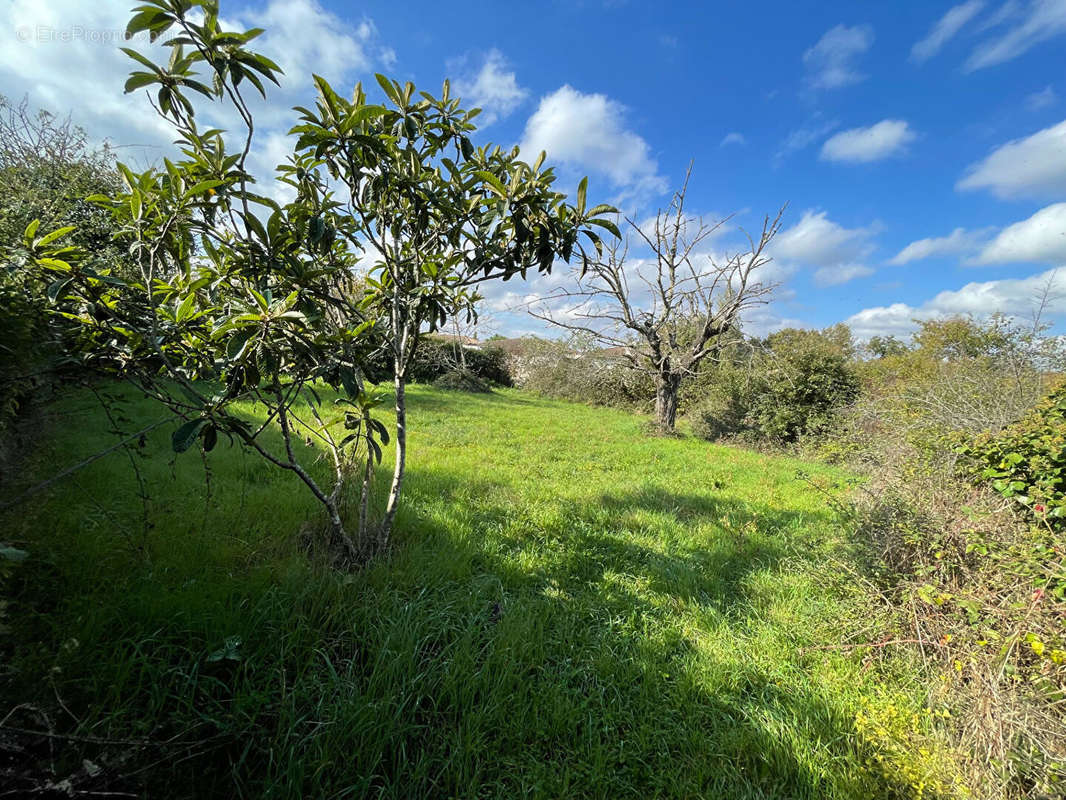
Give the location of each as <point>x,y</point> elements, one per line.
<point>573,609</point>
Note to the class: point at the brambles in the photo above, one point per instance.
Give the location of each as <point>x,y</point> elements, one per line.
<point>976,583</point>
<point>1026,461</point>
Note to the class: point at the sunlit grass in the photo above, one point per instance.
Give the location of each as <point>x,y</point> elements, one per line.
<point>573,609</point>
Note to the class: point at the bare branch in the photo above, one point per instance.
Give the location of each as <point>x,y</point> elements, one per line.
<point>694,300</point>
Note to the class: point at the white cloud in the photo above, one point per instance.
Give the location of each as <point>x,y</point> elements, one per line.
<point>588,132</point>
<point>1040,239</point>
<point>831,61</point>
<point>494,89</point>
<point>1009,10</point>
<point>886,138</point>
<point>64,56</point>
<point>1042,99</point>
<point>818,241</point>
<point>894,320</point>
<point>1039,21</point>
<point>800,138</point>
<point>834,276</point>
<point>1034,166</point>
<point>1012,296</point>
<point>945,29</point>
<point>733,138</point>
<point>43,57</point>
<point>958,241</point>
<point>764,320</point>
<point>304,38</point>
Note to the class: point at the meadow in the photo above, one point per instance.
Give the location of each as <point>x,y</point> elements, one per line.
<point>571,608</point>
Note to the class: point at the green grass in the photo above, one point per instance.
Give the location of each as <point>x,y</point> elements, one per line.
<point>573,609</point>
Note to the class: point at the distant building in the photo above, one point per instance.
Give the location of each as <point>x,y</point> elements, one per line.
<point>465,341</point>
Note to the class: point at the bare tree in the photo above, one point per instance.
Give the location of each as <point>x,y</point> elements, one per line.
<point>465,330</point>
<point>672,311</point>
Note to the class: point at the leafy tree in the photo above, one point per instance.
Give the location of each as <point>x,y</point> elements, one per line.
<point>886,346</point>
<point>441,215</point>
<point>791,384</point>
<point>238,297</point>
<point>806,377</point>
<point>958,337</point>
<point>234,296</point>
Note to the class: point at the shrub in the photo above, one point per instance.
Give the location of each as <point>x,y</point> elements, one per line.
<point>792,385</point>
<point>436,358</point>
<point>962,581</point>
<point>974,589</point>
<point>461,380</point>
<point>722,400</point>
<point>47,168</point>
<point>1026,461</point>
<point>577,370</point>
<point>802,396</point>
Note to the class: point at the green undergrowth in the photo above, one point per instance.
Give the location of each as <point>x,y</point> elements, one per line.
<point>572,608</point>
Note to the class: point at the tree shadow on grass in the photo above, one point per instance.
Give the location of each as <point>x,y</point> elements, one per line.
<point>614,697</point>
<point>615,533</point>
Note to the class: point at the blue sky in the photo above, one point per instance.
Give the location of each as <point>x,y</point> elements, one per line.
<point>921,147</point>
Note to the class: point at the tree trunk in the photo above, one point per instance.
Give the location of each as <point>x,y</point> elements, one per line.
<point>340,541</point>
<point>401,456</point>
<point>364,498</point>
<point>666,391</point>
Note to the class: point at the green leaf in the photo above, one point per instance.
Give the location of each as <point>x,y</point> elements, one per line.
<point>12,553</point>
<point>582,191</point>
<point>183,438</point>
<point>56,288</point>
<point>48,238</point>
<point>148,19</point>
<point>203,186</point>
<point>140,59</point>
<point>138,80</point>
<point>54,264</point>
<point>235,346</point>
<point>493,182</point>
<point>260,301</point>
<point>185,310</point>
<point>607,225</point>
<point>331,98</point>
<point>389,89</point>
<point>230,651</point>
<point>210,438</point>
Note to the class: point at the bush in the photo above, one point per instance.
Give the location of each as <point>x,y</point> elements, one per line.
<point>461,380</point>
<point>803,395</point>
<point>578,371</point>
<point>1026,461</point>
<point>436,358</point>
<point>47,169</point>
<point>25,351</point>
<point>722,401</point>
<point>960,575</point>
<point>792,385</point>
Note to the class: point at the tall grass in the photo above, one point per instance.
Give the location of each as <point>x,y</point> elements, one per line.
<point>572,609</point>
